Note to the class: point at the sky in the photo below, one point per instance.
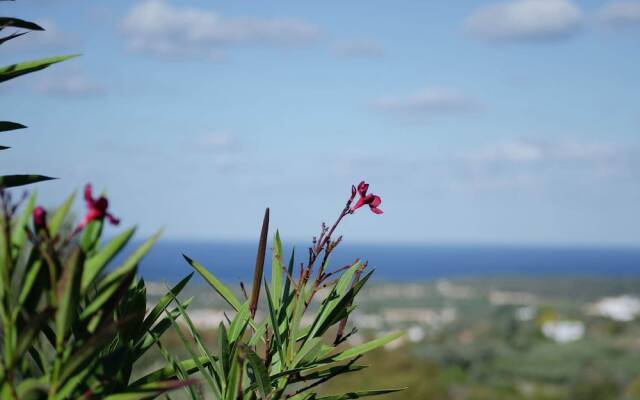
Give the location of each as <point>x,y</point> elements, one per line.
<point>477,122</point>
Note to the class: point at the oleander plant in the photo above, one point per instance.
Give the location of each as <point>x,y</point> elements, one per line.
<point>279,356</point>
<point>72,326</point>
<point>75,322</point>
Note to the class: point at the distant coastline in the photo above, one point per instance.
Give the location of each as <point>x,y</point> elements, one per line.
<point>233,261</point>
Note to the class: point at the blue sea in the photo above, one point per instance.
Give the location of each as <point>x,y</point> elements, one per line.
<point>233,261</point>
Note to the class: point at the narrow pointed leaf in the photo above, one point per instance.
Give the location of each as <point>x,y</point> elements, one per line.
<point>10,126</point>
<point>358,395</point>
<point>15,70</point>
<point>366,347</point>
<point>259,370</point>
<point>55,223</point>
<point>276,270</point>
<point>222,290</point>
<point>96,264</point>
<point>164,301</point>
<point>6,22</point>
<point>7,181</point>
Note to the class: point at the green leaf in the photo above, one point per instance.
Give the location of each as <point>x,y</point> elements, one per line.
<point>19,234</point>
<point>185,342</point>
<point>134,259</point>
<point>366,347</point>
<point>30,332</point>
<point>225,350</point>
<point>311,346</point>
<point>96,264</point>
<point>152,335</point>
<point>287,296</point>
<point>7,181</point>
<point>234,376</point>
<point>276,269</point>
<point>294,327</point>
<point>10,126</point>
<point>91,236</point>
<point>164,302</point>
<point>328,373</point>
<point>239,322</point>
<point>33,388</point>
<point>222,290</point>
<point>15,70</point>
<point>149,390</point>
<point>87,352</point>
<point>68,294</point>
<point>170,372</point>
<point>260,373</point>
<point>11,36</point>
<point>342,308</point>
<point>273,312</point>
<point>55,223</point>
<point>6,22</point>
<point>358,395</point>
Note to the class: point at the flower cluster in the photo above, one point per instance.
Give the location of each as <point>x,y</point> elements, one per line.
<point>96,211</point>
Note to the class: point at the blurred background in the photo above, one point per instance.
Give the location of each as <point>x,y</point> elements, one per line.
<point>502,136</point>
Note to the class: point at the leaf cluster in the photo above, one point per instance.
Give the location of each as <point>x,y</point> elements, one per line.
<point>73,325</point>
<point>279,355</point>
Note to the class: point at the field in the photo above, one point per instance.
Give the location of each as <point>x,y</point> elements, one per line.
<point>502,338</point>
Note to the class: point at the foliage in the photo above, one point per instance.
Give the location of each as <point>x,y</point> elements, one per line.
<point>70,329</point>
<point>278,356</point>
<point>16,70</point>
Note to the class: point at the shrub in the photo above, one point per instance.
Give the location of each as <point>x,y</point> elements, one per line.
<point>278,356</point>
<point>71,330</point>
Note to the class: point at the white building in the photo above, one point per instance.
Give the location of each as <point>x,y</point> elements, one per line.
<point>622,308</point>
<point>563,331</point>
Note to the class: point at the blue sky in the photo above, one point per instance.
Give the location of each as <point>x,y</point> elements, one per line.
<point>513,122</point>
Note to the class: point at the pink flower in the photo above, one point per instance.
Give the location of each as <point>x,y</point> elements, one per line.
<point>371,200</point>
<point>39,218</point>
<point>97,209</point>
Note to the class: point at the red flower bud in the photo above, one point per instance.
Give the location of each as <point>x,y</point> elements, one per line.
<point>39,218</point>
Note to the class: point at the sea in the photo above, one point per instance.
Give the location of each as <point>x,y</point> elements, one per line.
<point>234,261</point>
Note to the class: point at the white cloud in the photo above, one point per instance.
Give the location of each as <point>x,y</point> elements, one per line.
<point>63,81</point>
<point>428,102</point>
<point>362,48</point>
<point>526,20</point>
<point>620,14</point>
<point>519,163</point>
<point>221,142</point>
<point>70,86</point>
<point>162,29</point>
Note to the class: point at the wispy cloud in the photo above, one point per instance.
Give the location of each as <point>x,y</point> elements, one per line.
<point>219,142</point>
<point>518,163</point>
<point>429,102</point>
<point>526,20</point>
<point>620,14</point>
<point>68,83</point>
<point>159,28</point>
<point>522,164</point>
<point>359,48</point>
